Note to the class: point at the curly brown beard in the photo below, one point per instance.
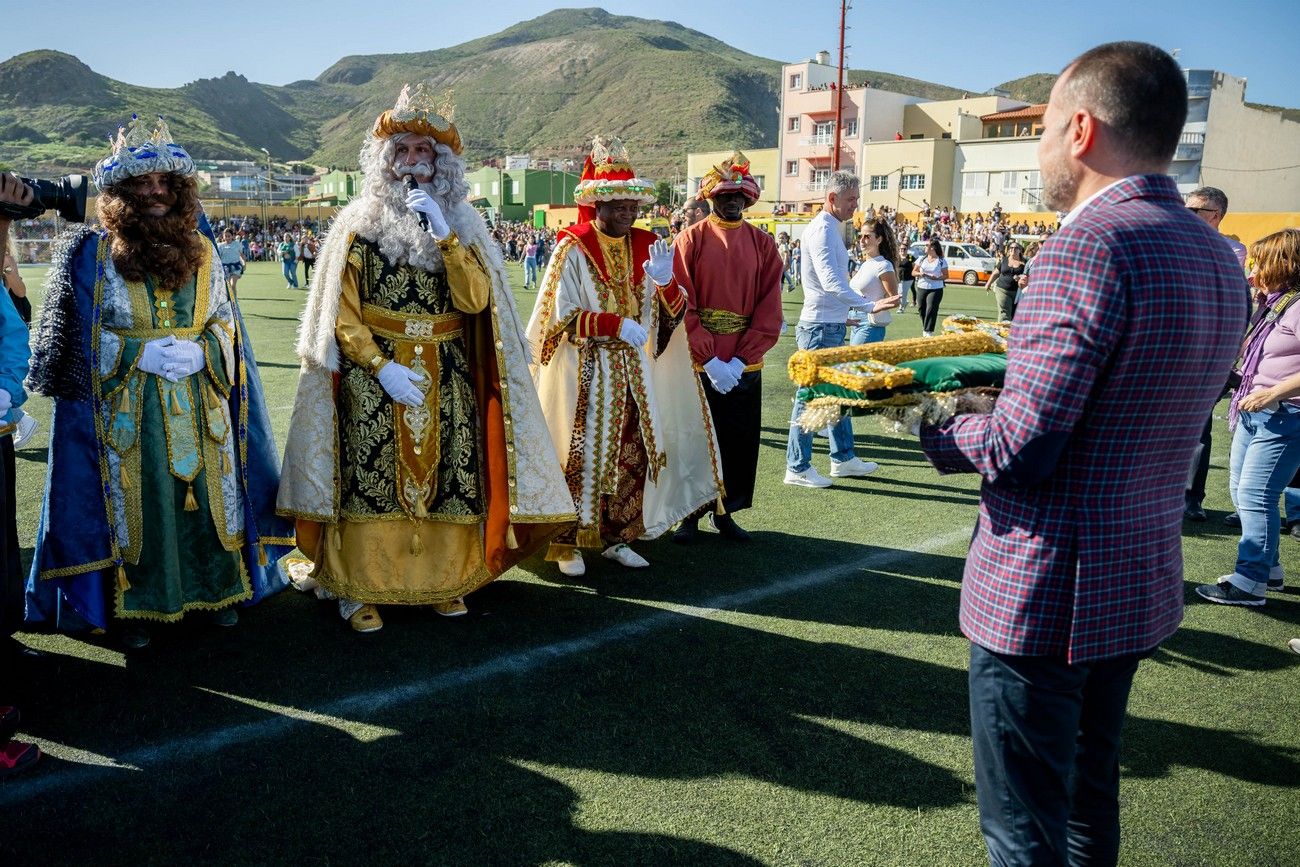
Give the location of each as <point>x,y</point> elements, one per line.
<point>166,248</point>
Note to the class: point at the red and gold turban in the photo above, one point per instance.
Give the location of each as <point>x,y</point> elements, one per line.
<point>731,176</point>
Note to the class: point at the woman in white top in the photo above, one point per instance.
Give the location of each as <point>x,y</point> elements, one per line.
<point>929,273</point>
<point>877,281</point>
<point>231,251</point>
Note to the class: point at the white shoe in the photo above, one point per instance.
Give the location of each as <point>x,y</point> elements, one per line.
<point>853,468</point>
<point>809,478</point>
<point>927,334</point>
<point>27,426</point>
<point>625,556</point>
<point>574,566</point>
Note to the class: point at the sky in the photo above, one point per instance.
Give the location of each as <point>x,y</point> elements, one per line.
<point>968,45</point>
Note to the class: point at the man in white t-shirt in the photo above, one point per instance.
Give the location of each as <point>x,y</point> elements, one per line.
<point>827,301</point>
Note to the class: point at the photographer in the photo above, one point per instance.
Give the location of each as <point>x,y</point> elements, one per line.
<point>14,755</point>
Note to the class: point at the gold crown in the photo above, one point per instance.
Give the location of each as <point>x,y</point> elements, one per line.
<point>418,111</point>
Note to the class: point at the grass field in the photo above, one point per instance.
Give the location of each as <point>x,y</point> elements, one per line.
<point>797,701</point>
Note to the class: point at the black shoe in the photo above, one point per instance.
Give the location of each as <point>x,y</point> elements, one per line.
<point>135,637</point>
<point>13,650</point>
<point>1232,519</point>
<point>1227,593</point>
<point>688,532</point>
<point>1194,512</point>
<point>728,528</point>
<point>9,720</point>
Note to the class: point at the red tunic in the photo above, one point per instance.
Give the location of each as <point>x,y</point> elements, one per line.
<point>733,267</point>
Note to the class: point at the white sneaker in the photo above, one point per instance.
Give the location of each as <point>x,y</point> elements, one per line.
<point>853,468</point>
<point>625,556</point>
<point>809,478</point>
<point>27,426</point>
<point>574,566</point>
<point>927,334</point>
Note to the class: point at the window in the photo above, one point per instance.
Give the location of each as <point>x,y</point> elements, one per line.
<point>796,81</point>
<point>880,182</point>
<point>496,188</point>
<point>759,179</point>
<point>1033,179</point>
<point>1010,182</point>
<point>515,188</point>
<point>792,124</point>
<point>975,183</point>
<point>851,128</point>
<point>478,189</point>
<point>792,168</point>
<point>911,182</point>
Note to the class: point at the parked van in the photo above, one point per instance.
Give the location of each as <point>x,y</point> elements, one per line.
<point>967,263</point>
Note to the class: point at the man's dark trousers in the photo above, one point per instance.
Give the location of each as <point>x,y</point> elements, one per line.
<point>1046,738</point>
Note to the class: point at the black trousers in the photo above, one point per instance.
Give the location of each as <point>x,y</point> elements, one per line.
<point>928,304</point>
<point>737,420</point>
<point>1046,737</point>
<point>1200,469</point>
<point>11,573</point>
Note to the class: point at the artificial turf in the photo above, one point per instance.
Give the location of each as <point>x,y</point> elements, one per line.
<point>797,701</point>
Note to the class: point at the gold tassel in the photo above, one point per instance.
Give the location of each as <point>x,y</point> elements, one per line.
<point>176,405</point>
<point>124,477</point>
<point>588,537</point>
<point>191,504</point>
<point>225,463</point>
<point>417,547</point>
<point>512,542</point>
<point>122,584</point>
<point>261,555</point>
<point>125,404</point>
<point>721,510</point>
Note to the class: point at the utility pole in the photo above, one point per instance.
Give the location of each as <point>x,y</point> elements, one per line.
<point>839,91</point>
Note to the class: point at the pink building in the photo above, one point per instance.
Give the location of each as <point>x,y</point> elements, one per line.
<point>807,138</point>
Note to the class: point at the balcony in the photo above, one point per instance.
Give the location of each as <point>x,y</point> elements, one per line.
<point>1190,146</point>
<point>1199,91</point>
<point>1031,199</point>
<point>813,186</point>
<point>823,139</point>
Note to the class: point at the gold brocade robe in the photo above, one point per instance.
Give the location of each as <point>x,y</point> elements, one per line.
<point>411,479</point>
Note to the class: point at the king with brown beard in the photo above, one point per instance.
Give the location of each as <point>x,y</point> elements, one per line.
<point>163,473</point>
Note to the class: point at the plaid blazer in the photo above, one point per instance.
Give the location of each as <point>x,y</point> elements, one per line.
<point>1131,320</point>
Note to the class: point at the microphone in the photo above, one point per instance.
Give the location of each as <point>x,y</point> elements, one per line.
<point>409,180</point>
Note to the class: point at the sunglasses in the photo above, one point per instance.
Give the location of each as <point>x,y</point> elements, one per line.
<point>1203,210</point>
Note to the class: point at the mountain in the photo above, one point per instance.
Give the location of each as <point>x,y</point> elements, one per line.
<point>543,86</point>
<point>1030,88</point>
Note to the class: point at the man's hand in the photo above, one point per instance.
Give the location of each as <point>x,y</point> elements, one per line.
<point>630,331</point>
<point>660,264</point>
<point>183,358</point>
<point>399,381</point>
<point>421,202</point>
<point>885,304</point>
<point>720,375</point>
<point>737,367</point>
<point>13,191</point>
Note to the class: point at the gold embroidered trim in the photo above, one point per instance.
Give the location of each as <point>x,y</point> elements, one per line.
<point>80,569</point>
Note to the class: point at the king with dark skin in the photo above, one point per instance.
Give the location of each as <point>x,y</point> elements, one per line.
<point>729,206</point>
<point>615,218</point>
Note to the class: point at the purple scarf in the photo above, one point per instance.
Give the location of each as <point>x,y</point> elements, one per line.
<point>1252,352</point>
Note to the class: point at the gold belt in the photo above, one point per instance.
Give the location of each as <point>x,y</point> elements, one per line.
<point>414,327</point>
<point>717,321</point>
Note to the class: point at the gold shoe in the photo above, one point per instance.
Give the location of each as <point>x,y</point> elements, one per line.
<point>366,619</point>
<point>451,608</point>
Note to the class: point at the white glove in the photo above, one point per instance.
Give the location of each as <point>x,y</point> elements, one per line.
<point>151,355</point>
<point>183,358</point>
<point>737,368</point>
<point>6,402</point>
<point>721,375</point>
<point>660,264</point>
<point>398,380</point>
<point>421,202</point>
<point>630,331</point>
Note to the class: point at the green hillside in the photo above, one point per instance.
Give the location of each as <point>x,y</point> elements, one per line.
<point>543,86</point>
<point>1030,88</point>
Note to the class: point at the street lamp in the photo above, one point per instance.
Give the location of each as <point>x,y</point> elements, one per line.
<point>266,201</point>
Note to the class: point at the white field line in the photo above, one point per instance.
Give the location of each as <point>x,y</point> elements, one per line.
<point>374,702</point>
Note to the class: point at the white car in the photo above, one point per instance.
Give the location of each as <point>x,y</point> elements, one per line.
<point>967,263</point>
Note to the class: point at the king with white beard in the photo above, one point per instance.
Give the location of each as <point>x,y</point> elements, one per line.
<point>418,464</point>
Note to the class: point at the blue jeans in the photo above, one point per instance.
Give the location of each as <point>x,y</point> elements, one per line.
<point>1265,457</point>
<point>530,271</point>
<point>290,269</point>
<point>798,452</point>
<point>865,332</point>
